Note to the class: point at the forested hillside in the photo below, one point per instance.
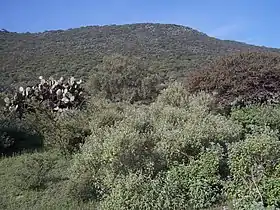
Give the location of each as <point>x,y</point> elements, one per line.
<point>169,49</point>
<point>141,116</point>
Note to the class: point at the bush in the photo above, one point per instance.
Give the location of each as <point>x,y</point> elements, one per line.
<point>185,132</point>
<point>152,140</point>
<point>106,114</point>
<point>174,153</point>
<point>43,128</point>
<point>32,173</point>
<point>129,192</point>
<point>65,131</point>
<point>194,186</point>
<point>18,135</point>
<point>258,115</point>
<point>176,95</point>
<point>240,79</point>
<point>252,163</point>
<point>122,78</point>
<point>271,190</point>
<point>87,177</point>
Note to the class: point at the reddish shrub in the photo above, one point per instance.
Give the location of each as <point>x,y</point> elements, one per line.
<point>244,78</point>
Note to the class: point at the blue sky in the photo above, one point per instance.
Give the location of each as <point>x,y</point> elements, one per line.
<point>251,21</point>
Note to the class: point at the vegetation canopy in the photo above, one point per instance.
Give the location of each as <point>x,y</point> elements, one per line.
<point>241,79</point>
<point>148,138</point>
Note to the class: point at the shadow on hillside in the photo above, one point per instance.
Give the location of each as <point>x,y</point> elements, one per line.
<point>14,142</point>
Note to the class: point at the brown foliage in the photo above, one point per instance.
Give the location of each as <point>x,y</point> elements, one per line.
<point>240,79</point>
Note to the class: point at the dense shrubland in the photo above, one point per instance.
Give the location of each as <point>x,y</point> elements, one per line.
<point>240,80</point>
<point>169,49</point>
<point>125,78</point>
<point>170,148</point>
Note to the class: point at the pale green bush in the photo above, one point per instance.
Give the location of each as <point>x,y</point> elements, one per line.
<point>252,163</point>
<point>33,170</point>
<point>194,186</point>
<point>186,132</point>
<point>258,115</point>
<point>175,95</point>
<point>150,140</point>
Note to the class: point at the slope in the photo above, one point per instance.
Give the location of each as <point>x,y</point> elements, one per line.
<point>171,49</point>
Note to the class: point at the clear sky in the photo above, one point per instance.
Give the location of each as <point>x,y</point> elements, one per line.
<point>251,21</point>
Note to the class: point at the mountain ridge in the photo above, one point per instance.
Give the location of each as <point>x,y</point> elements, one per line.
<point>186,28</point>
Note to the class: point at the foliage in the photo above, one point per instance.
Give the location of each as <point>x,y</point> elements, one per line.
<point>17,135</point>
<point>16,194</point>
<point>152,140</point>
<point>33,171</point>
<point>176,152</point>
<point>64,131</point>
<point>168,49</point>
<point>252,165</point>
<point>122,78</point>
<point>194,186</point>
<point>133,149</point>
<point>42,128</point>
<point>240,79</point>
<point>175,95</point>
<point>257,115</point>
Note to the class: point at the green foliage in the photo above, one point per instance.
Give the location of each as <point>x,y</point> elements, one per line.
<point>176,95</point>
<point>271,190</point>
<point>17,135</point>
<point>65,131</point>
<point>16,194</point>
<point>194,186</point>
<point>130,192</point>
<point>169,50</point>
<point>187,131</point>
<point>152,140</point>
<point>257,115</point>
<point>252,163</point>
<point>122,78</point>
<point>175,153</point>
<point>33,171</point>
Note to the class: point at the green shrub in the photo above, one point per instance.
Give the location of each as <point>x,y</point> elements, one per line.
<point>271,190</point>
<point>258,115</point>
<point>106,114</point>
<point>65,132</point>
<point>197,184</point>
<point>184,132</point>
<point>123,78</point>
<point>32,173</point>
<point>175,95</point>
<point>129,192</point>
<point>252,162</point>
<point>42,128</point>
<point>194,186</point>
<point>17,135</point>
<point>176,153</point>
<point>152,140</point>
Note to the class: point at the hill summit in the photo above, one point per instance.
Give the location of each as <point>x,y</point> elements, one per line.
<point>172,49</point>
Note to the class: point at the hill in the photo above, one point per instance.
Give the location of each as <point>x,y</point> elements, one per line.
<point>116,149</point>
<point>170,49</point>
